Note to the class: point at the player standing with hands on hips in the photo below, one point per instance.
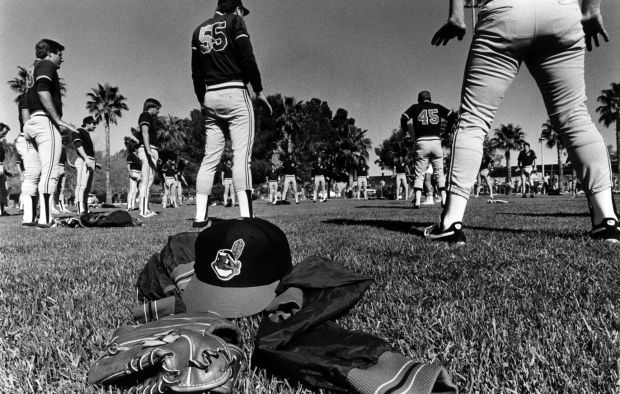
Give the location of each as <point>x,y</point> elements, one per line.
<point>43,127</point>
<point>223,63</point>
<point>548,35</point>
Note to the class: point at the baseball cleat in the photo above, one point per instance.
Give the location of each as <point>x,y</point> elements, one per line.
<point>453,234</point>
<point>148,214</point>
<point>416,206</point>
<point>608,230</point>
<point>201,223</point>
<point>29,224</point>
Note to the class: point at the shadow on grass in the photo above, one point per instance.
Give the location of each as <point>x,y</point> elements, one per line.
<point>391,225</point>
<point>543,214</point>
<point>410,206</point>
<point>551,233</point>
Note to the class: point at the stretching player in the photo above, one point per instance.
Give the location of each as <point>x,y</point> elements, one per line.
<point>169,172</point>
<point>148,152</point>
<point>85,163</point>
<point>548,35</point>
<point>134,168</point>
<point>222,62</point>
<point>426,117</point>
<point>318,172</point>
<point>272,178</point>
<point>401,170</point>
<point>43,127</point>
<point>527,164</point>
<point>289,166</point>
<point>362,178</point>
<point>227,181</point>
<point>4,129</point>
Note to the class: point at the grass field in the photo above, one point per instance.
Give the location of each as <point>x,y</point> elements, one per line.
<point>529,304</point>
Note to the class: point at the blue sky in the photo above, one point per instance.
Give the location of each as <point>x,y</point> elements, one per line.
<point>370,57</point>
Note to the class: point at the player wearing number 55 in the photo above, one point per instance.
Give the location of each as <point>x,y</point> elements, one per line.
<point>223,63</point>
<point>426,117</point>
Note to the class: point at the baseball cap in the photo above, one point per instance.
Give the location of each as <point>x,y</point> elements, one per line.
<point>234,3</point>
<point>239,264</point>
<point>87,120</point>
<point>424,95</point>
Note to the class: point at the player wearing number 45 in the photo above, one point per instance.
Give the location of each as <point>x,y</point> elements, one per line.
<point>222,63</point>
<point>426,117</point>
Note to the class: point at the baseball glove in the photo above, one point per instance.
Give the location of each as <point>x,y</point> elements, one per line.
<point>185,353</point>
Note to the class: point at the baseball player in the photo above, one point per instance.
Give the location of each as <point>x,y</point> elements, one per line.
<point>180,181</point>
<point>84,163</point>
<point>169,172</point>
<point>485,169</point>
<point>148,152</point>
<point>426,117</point>
<point>59,194</point>
<point>227,181</point>
<point>401,170</point>
<point>362,178</point>
<point>43,126</point>
<point>289,167</point>
<point>4,129</point>
<point>318,171</point>
<point>272,178</point>
<point>134,168</point>
<point>548,35</point>
<point>527,164</point>
<point>222,64</point>
<point>30,164</point>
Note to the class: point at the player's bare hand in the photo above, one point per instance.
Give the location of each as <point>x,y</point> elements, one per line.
<point>449,31</point>
<point>260,96</point>
<point>592,23</point>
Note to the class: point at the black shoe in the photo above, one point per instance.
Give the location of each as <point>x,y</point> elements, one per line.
<point>453,234</point>
<point>201,224</point>
<point>29,224</point>
<point>524,196</point>
<point>416,206</point>
<point>608,230</point>
<point>531,196</point>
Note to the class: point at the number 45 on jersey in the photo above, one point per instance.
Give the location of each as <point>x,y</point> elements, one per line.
<point>212,37</point>
<point>427,116</point>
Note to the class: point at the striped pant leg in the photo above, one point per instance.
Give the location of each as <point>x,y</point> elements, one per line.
<point>241,125</point>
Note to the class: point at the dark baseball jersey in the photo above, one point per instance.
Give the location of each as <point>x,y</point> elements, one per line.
<point>273,174</point>
<point>426,118</point>
<point>289,167</point>
<point>45,80</point>
<point>227,172</point>
<point>221,53</point>
<point>82,138</point>
<point>400,167</point>
<point>318,169</point>
<point>134,162</point>
<point>526,158</point>
<point>2,153</point>
<point>362,170</point>
<point>147,119</point>
<point>487,163</point>
<point>169,169</point>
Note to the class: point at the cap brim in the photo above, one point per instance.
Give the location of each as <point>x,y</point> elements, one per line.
<point>245,11</point>
<point>229,302</point>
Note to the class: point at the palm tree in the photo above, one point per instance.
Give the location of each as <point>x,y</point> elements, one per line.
<point>554,141</point>
<point>507,138</point>
<point>106,103</point>
<point>290,120</point>
<point>610,113</point>
<point>173,133</point>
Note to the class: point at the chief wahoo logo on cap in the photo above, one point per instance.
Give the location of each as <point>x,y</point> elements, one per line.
<point>227,264</point>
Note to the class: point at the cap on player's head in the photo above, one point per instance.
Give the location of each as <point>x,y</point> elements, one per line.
<point>230,6</point>
<point>130,144</point>
<point>88,120</point>
<point>46,46</point>
<point>151,103</point>
<point>423,96</point>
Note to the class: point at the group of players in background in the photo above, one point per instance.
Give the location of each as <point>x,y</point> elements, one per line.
<point>223,65</point>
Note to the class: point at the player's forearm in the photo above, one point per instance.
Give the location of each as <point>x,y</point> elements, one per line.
<point>25,114</point>
<point>248,64</point>
<point>146,139</point>
<point>457,11</point>
<point>82,152</point>
<point>129,170</point>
